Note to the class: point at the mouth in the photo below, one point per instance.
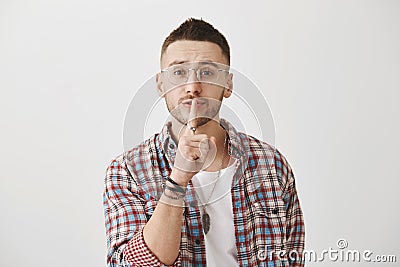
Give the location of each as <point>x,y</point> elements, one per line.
<point>200,102</point>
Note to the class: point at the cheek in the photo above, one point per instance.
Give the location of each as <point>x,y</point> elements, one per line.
<point>216,92</point>
<point>171,97</point>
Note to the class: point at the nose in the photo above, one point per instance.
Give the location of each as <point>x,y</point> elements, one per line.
<point>193,86</point>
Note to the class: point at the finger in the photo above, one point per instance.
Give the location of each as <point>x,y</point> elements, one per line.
<point>194,138</point>
<point>190,148</point>
<point>195,145</point>
<point>192,116</point>
<point>195,156</point>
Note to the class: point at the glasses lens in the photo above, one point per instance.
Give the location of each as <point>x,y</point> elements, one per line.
<point>178,74</point>
<point>208,72</point>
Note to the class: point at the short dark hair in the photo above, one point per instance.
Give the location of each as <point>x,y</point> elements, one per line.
<point>197,30</point>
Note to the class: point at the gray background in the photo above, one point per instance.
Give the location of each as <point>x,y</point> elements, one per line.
<point>68,70</point>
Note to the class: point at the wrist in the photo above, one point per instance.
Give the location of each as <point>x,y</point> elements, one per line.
<point>180,177</point>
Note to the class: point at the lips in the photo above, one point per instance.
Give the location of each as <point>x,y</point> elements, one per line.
<point>188,102</point>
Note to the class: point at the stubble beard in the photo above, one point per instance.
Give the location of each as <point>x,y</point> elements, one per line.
<point>182,115</point>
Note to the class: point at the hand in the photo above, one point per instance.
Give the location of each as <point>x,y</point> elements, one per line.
<point>195,151</point>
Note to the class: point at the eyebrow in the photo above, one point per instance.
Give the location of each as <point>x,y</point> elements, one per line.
<point>176,62</point>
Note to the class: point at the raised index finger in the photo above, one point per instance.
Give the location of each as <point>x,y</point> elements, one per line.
<point>192,124</point>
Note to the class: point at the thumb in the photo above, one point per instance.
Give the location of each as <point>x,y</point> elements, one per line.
<point>214,140</point>
<point>212,153</point>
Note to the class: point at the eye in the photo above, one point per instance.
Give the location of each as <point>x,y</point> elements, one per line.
<point>206,72</point>
<point>179,72</point>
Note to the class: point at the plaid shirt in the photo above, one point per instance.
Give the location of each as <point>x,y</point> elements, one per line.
<point>266,209</point>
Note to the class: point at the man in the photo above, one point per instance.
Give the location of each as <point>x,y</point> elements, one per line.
<point>199,192</point>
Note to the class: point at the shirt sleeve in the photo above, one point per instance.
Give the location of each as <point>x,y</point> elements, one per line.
<point>125,217</point>
<point>137,251</point>
<point>295,230</point>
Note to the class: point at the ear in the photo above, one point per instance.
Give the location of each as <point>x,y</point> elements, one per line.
<point>228,90</point>
<point>159,82</point>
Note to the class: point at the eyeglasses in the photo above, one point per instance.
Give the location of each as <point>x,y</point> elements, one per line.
<point>208,72</point>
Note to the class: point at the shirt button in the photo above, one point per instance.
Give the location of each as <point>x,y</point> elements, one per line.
<point>171,146</point>
<point>197,241</point>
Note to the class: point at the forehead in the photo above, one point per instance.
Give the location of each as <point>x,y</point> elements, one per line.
<point>190,51</point>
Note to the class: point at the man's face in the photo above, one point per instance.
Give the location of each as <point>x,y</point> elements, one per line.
<point>187,67</point>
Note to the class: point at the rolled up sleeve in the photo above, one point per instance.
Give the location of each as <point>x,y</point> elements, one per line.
<point>138,253</point>
<point>125,217</point>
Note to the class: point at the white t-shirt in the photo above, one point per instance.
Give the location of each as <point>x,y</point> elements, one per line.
<point>220,241</point>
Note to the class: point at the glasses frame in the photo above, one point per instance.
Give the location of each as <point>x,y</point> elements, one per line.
<point>197,71</point>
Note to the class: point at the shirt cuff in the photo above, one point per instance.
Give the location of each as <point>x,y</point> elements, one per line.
<point>137,253</point>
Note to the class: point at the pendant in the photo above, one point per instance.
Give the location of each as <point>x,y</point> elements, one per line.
<point>205,219</point>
